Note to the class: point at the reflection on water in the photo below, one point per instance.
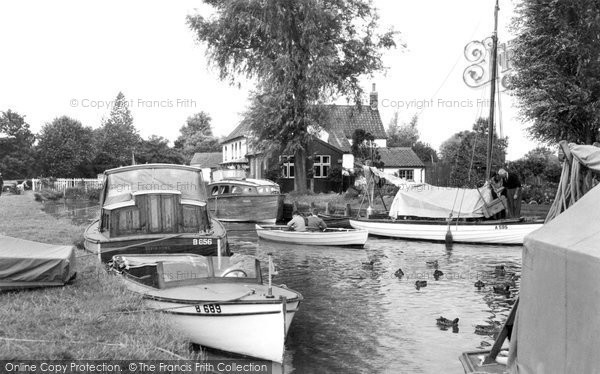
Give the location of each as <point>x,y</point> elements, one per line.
<point>80,212</point>
<point>358,317</point>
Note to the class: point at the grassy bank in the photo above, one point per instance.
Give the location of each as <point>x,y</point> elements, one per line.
<point>337,202</point>
<point>92,318</point>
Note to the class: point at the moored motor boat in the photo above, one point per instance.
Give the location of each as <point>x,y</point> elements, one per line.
<point>154,208</point>
<point>217,302</point>
<point>331,236</point>
<point>245,200</point>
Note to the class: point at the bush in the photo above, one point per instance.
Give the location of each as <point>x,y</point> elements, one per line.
<point>539,193</point>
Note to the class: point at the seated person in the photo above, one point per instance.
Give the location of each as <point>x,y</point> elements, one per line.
<point>297,222</point>
<point>315,223</point>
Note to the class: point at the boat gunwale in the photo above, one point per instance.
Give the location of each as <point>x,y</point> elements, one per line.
<point>442,221</point>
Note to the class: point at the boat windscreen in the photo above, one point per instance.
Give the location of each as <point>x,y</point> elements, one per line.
<point>121,185</point>
<point>235,266</point>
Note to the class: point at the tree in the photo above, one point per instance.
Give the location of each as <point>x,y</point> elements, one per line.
<point>466,153</point>
<point>538,166</point>
<point>301,53</point>
<point>197,136</point>
<point>117,139</point>
<point>407,135</point>
<point>364,148</point>
<point>16,146</point>
<point>156,150</point>
<point>556,57</point>
<point>64,149</point>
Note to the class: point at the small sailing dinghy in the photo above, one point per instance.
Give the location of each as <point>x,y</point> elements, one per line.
<point>331,236</point>
<point>217,302</point>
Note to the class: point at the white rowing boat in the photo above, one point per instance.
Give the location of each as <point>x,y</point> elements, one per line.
<point>331,236</point>
<point>217,302</point>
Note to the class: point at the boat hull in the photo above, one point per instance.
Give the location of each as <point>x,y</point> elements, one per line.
<point>196,243</point>
<point>256,330</point>
<point>331,237</point>
<point>485,232</point>
<point>246,208</point>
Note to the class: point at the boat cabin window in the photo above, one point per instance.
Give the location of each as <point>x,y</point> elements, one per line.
<point>224,189</point>
<point>267,190</point>
<point>214,190</point>
<point>236,190</point>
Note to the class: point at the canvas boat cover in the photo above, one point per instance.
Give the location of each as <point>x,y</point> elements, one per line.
<point>557,329</point>
<point>121,183</point>
<point>27,264</point>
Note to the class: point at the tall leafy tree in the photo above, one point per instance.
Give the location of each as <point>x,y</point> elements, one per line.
<point>465,152</point>
<point>300,52</point>
<point>64,149</point>
<point>407,135</point>
<point>16,146</point>
<point>197,136</point>
<point>156,149</point>
<point>556,57</point>
<point>117,139</point>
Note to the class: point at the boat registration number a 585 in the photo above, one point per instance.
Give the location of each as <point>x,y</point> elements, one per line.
<point>501,227</point>
<point>202,241</point>
<point>208,308</point>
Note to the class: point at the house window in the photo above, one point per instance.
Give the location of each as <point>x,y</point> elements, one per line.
<point>225,153</point>
<point>287,167</point>
<point>407,174</point>
<point>321,165</point>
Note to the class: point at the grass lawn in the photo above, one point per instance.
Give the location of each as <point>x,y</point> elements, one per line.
<point>95,317</point>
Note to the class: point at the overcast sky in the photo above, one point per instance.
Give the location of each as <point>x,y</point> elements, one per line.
<point>72,58</point>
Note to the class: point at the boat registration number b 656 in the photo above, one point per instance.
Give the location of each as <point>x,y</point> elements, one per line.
<point>208,308</point>
<point>202,241</point>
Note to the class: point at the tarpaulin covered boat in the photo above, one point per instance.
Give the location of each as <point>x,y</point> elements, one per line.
<point>28,264</point>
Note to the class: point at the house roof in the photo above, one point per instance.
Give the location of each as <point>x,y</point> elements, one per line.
<point>399,157</point>
<point>345,119</point>
<point>207,160</point>
<point>342,121</point>
<point>241,130</point>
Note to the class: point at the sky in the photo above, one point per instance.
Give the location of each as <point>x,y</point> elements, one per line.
<point>71,58</point>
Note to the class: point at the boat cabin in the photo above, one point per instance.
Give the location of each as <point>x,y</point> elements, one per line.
<point>168,271</point>
<point>153,199</point>
<point>233,187</point>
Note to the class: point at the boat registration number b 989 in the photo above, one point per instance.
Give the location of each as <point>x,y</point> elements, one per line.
<point>208,308</point>
<point>201,241</point>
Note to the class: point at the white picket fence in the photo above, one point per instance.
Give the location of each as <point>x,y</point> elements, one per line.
<point>61,184</point>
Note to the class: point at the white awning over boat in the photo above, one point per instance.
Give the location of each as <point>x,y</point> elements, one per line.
<point>557,324</point>
<point>425,200</point>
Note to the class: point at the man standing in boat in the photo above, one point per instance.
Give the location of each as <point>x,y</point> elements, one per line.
<point>297,222</point>
<point>512,191</point>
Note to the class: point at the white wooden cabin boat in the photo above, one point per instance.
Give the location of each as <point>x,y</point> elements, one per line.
<point>217,302</point>
<point>330,237</point>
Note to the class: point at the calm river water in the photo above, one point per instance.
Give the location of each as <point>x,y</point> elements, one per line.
<point>357,318</point>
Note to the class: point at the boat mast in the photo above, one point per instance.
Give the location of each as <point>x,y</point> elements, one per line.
<point>494,68</point>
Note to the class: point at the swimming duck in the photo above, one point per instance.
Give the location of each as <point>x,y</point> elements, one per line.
<point>420,284</point>
<point>485,329</point>
<point>502,290</point>
<point>437,274</point>
<point>368,265</point>
<point>399,273</point>
<point>479,284</point>
<point>500,270</point>
<point>433,263</point>
<point>446,322</point>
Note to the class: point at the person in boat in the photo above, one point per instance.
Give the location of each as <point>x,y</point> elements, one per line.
<point>512,191</point>
<point>297,222</point>
<point>315,223</point>
<point>497,190</point>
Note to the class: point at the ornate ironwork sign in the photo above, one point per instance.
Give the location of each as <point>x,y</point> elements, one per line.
<point>478,54</point>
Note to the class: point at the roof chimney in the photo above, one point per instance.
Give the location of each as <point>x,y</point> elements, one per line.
<point>373,99</point>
